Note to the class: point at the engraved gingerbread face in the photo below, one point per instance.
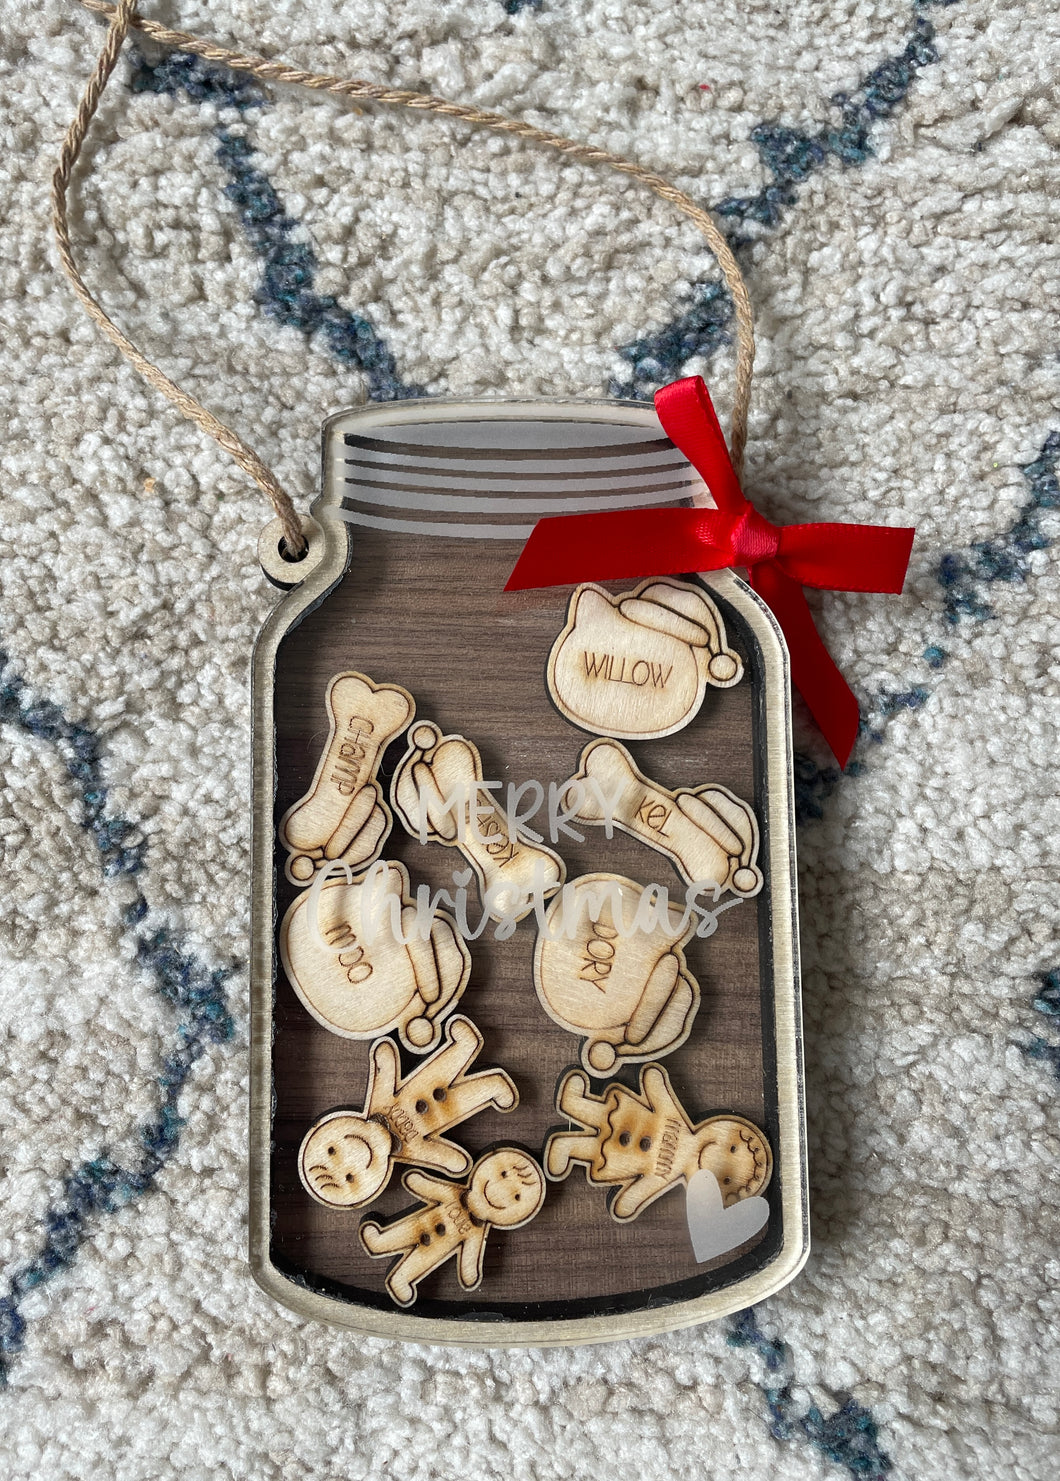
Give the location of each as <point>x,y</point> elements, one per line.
<point>738,1156</point>
<point>507,1188</point>
<point>344,1160</point>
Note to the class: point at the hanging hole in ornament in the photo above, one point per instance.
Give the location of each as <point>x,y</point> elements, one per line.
<point>283,566</point>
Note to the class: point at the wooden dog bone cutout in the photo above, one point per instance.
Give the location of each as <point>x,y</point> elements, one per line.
<point>711,835</point>
<point>335,819</point>
<point>642,1143</point>
<point>436,784</point>
<point>636,665</point>
<point>628,989</point>
<point>347,1157</point>
<point>714,1229</point>
<point>360,977</point>
<point>506,1188</point>
<point>358,841</point>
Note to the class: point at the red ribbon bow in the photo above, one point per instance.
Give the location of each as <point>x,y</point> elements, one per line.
<point>780,559</point>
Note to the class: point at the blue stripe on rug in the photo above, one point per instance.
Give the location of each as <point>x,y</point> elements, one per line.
<point>965,579</point>
<point>790,157</point>
<point>288,267</point>
<point>100,1185</point>
<point>1047,1002</point>
<point>849,1436</point>
<point>699,330</point>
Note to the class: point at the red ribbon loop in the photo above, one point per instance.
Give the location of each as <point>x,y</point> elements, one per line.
<point>780,559</point>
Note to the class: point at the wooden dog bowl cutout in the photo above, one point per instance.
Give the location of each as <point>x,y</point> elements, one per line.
<point>641,1094</point>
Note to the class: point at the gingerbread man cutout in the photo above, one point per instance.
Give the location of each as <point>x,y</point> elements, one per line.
<point>645,1143</point>
<point>346,1159</point>
<point>506,1187</point>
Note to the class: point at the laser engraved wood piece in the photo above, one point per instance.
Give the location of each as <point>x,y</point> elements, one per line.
<point>346,1159</point>
<point>356,957</point>
<point>636,665</point>
<point>439,797</point>
<point>609,964</point>
<point>643,1143</point>
<point>711,835</point>
<point>343,815</point>
<point>506,1188</point>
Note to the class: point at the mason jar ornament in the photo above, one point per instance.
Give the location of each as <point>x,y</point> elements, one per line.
<point>526,1052</point>
<point>541,766</point>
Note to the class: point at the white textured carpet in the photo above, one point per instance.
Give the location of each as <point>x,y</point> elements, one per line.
<point>282,256</point>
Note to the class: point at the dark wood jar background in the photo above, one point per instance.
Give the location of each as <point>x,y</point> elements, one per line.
<point>422,605</point>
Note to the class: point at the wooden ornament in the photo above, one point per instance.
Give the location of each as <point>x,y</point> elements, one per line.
<point>357,958</point>
<point>424,510</point>
<point>506,1188</point>
<point>346,1158</point>
<point>710,834</point>
<point>643,1143</point>
<point>439,797</point>
<point>609,964</point>
<point>343,815</point>
<point>637,665</point>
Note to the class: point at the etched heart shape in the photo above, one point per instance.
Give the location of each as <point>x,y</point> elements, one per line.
<point>715,1229</point>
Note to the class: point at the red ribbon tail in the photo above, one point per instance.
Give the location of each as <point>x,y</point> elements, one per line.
<point>830,699</point>
<point>846,557</point>
<point>565,549</point>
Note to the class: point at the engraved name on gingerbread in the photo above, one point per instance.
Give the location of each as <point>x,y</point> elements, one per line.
<point>506,1188</point>
<point>439,796</point>
<point>636,665</point>
<point>606,968</point>
<point>355,956</point>
<point>347,1157</point>
<point>643,1143</point>
<point>711,835</point>
<point>343,815</point>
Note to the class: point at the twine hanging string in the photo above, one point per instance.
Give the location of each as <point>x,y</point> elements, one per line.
<point>123,16</point>
<point>247,459</point>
